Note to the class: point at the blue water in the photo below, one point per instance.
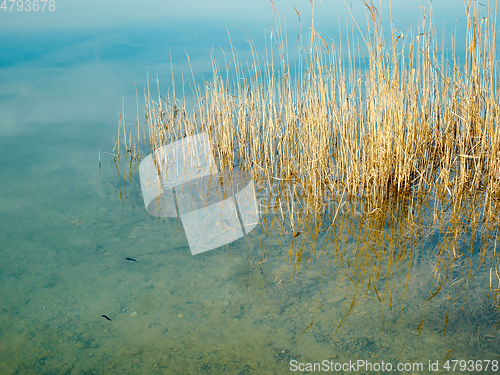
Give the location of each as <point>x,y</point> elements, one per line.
<point>65,232</point>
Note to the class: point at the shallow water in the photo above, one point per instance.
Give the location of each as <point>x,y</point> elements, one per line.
<point>65,234</point>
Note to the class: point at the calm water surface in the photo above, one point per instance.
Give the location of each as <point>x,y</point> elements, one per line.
<point>65,232</point>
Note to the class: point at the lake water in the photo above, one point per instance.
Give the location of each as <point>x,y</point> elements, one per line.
<point>65,233</point>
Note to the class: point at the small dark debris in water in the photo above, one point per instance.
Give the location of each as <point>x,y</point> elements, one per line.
<point>131,259</point>
<point>296,234</point>
<point>106,317</point>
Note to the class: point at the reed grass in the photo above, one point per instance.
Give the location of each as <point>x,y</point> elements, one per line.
<point>400,152</point>
<point>416,122</point>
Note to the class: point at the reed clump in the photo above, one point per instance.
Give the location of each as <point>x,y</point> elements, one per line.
<point>388,149</point>
<point>400,126</point>
<point>414,122</point>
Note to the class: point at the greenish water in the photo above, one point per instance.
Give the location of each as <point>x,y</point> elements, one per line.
<point>66,234</point>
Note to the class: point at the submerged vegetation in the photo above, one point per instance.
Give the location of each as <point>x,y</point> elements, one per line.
<point>368,156</point>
